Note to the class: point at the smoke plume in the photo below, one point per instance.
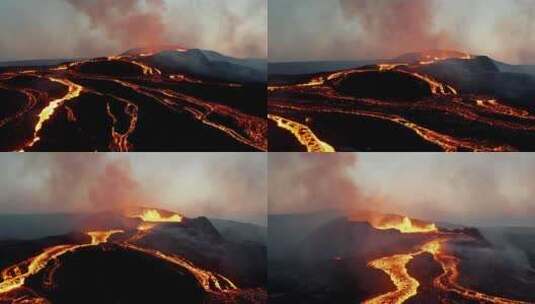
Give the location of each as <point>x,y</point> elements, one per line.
<point>301,182</point>
<point>404,26</point>
<point>94,182</point>
<point>128,22</point>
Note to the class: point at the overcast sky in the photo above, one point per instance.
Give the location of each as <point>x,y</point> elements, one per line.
<point>463,188</point>
<point>43,29</point>
<point>365,29</point>
<point>222,185</point>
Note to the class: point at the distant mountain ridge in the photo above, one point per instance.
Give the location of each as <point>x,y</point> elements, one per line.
<point>176,60</point>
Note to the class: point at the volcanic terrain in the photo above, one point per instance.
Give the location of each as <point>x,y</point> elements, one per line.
<point>377,258</point>
<point>430,101</point>
<point>148,99</point>
<point>143,255</point>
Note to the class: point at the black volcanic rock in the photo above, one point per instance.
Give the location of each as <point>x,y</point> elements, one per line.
<point>482,75</point>
<point>240,232</point>
<point>345,238</point>
<point>112,274</point>
<point>211,65</point>
<point>198,241</point>
<point>384,85</point>
<point>110,68</point>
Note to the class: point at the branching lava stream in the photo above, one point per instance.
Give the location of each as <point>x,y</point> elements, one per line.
<point>14,277</point>
<point>321,96</point>
<point>93,83</point>
<point>395,266</point>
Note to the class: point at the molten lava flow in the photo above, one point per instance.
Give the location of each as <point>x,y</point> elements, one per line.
<point>99,237</point>
<point>389,66</point>
<point>448,280</point>
<point>15,276</point>
<point>396,267</point>
<point>147,70</point>
<point>210,281</point>
<point>430,57</point>
<point>405,225</point>
<point>305,136</point>
<point>119,141</point>
<point>74,91</point>
<point>154,216</point>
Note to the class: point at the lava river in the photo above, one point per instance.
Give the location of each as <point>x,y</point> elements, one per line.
<point>395,266</point>
<point>13,278</point>
<point>122,103</point>
<point>382,107</point>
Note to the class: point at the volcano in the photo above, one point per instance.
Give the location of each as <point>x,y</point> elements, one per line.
<point>435,100</point>
<point>375,258</point>
<point>147,99</point>
<point>153,255</point>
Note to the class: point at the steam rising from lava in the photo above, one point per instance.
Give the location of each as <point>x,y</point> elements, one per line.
<point>228,186</point>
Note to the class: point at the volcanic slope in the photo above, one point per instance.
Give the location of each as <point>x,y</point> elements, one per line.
<point>173,100</point>
<point>429,101</point>
<point>120,266</point>
<point>388,259</point>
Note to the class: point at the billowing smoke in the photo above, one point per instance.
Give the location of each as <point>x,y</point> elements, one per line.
<point>302,182</point>
<point>301,30</point>
<point>465,189</point>
<point>217,185</point>
<point>131,23</point>
<point>94,28</point>
<point>85,182</point>
<point>404,26</point>
<point>520,25</point>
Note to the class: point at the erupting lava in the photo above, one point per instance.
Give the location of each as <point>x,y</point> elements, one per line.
<point>406,225</point>
<point>99,237</point>
<point>395,267</point>
<point>154,216</point>
<point>420,109</point>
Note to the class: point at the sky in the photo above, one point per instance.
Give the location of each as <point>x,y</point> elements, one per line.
<point>483,189</point>
<point>48,29</point>
<point>301,30</point>
<point>218,185</point>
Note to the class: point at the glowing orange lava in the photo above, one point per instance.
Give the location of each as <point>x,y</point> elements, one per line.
<point>74,91</point>
<point>304,135</point>
<point>154,216</point>
<point>405,225</point>
<point>15,276</point>
<point>99,237</point>
<point>395,266</point>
